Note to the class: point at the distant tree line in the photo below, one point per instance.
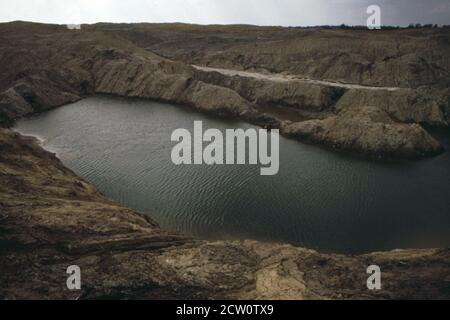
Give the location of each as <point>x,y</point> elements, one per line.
<point>418,25</point>
<point>362,27</point>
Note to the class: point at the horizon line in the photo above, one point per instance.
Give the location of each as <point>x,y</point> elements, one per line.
<point>410,25</point>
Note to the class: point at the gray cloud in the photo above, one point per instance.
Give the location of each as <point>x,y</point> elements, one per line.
<point>260,12</point>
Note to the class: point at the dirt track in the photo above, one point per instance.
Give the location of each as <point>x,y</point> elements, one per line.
<point>278,77</point>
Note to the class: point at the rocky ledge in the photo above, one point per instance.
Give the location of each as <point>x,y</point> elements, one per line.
<point>367,130</point>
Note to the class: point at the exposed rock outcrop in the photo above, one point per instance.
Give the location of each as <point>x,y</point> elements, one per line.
<point>267,92</point>
<point>425,105</point>
<point>367,130</point>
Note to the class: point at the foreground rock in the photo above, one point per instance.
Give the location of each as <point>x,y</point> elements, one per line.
<point>50,219</point>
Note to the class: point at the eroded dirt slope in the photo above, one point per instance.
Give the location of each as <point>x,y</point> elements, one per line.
<point>46,66</point>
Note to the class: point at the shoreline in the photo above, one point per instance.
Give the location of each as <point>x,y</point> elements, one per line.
<point>263,120</point>
<point>39,141</point>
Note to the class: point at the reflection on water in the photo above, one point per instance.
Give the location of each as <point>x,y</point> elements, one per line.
<point>318,199</point>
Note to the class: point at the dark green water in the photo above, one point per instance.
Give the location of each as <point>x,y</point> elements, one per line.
<point>319,199</point>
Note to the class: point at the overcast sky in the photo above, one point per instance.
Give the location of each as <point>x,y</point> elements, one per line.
<point>259,12</point>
